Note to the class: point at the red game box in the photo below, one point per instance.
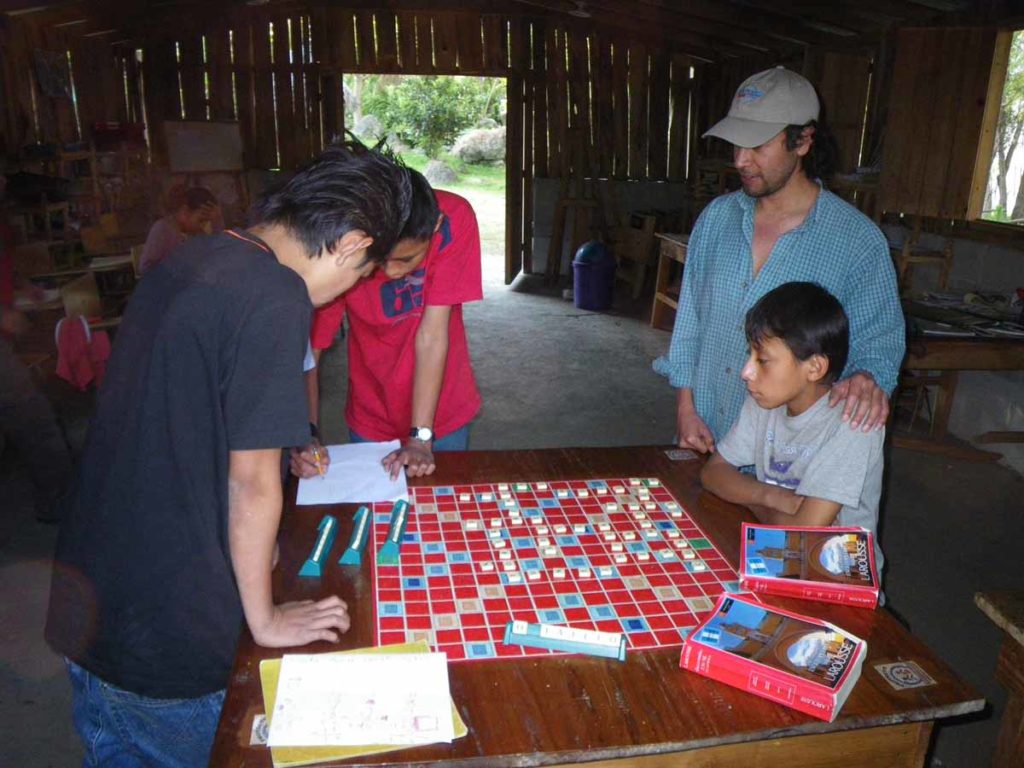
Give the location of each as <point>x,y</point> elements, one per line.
<point>801,662</point>
<point>832,565</point>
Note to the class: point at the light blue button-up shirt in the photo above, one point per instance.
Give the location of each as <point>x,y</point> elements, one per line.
<point>836,246</point>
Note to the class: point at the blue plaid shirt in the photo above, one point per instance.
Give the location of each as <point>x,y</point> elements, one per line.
<point>836,246</point>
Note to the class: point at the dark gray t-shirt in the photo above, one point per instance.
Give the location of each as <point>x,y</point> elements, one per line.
<point>207,360</point>
<point>814,454</point>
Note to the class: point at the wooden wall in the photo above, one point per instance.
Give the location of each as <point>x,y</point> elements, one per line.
<point>31,114</point>
<point>583,100</point>
<point>937,103</point>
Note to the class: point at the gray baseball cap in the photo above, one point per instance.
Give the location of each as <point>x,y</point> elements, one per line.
<point>764,104</point>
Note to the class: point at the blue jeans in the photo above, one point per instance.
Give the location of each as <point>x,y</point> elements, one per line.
<point>120,729</point>
<point>453,441</point>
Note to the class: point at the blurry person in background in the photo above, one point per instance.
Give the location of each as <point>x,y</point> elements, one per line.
<point>27,421</point>
<point>193,211</point>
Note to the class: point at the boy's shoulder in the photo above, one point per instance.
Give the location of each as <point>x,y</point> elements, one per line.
<point>827,423</point>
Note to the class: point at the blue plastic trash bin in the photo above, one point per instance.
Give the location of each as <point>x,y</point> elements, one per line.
<point>593,277</point>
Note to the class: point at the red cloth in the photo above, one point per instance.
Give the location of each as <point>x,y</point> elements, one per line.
<point>383,318</point>
<point>81,354</point>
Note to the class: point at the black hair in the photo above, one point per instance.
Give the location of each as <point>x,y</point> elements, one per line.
<point>823,158</point>
<point>807,319</point>
<point>346,187</point>
<point>423,212</point>
<point>196,197</point>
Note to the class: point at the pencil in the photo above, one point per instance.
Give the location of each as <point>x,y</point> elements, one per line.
<point>319,463</point>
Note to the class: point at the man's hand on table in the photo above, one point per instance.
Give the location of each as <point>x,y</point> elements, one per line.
<point>693,432</point>
<point>416,456</point>
<point>303,622</point>
<point>865,404</point>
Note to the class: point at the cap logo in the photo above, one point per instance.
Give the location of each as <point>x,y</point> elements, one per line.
<point>749,93</point>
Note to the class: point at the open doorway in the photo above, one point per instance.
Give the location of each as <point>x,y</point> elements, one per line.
<point>451,128</point>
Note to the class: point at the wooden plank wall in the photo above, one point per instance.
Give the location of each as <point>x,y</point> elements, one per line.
<point>937,102</point>
<point>843,81</point>
<point>580,102</point>
<point>31,115</point>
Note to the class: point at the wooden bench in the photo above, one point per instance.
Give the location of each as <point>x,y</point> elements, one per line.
<point>1006,609</point>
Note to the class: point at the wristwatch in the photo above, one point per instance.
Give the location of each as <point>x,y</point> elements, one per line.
<point>423,434</point>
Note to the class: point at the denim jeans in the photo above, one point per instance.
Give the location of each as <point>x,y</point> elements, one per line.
<point>453,441</point>
<point>120,729</point>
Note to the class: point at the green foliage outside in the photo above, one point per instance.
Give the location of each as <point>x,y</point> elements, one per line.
<point>489,178</point>
<point>426,112</point>
<point>1009,137</point>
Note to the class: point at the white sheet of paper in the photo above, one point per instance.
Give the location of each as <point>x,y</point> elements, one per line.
<point>355,476</point>
<point>340,700</point>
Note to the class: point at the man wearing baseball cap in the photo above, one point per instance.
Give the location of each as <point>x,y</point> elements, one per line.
<point>782,226</point>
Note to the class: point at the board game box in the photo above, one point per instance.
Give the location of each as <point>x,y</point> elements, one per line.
<point>801,662</point>
<point>833,565</point>
<point>609,555</point>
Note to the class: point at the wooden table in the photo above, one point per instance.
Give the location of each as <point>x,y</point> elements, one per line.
<point>1006,609</point>
<point>672,248</point>
<point>949,356</point>
<point>646,712</point>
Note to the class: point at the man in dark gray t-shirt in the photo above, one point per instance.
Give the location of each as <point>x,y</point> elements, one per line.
<point>167,541</point>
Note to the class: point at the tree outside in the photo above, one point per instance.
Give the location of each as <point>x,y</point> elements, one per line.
<point>451,128</point>
<point>1004,196</point>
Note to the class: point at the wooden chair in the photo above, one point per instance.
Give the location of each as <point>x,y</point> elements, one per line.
<point>914,385</point>
<point>634,247</point>
<point>910,255</point>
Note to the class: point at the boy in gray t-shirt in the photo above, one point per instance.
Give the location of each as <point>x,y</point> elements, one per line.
<point>811,468</point>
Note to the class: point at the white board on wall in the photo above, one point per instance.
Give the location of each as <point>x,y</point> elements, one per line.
<point>194,146</point>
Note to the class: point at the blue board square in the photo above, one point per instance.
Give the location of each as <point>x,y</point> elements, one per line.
<point>602,612</point>
<point>481,650</point>
<point>392,609</point>
<point>522,543</point>
<point>437,569</point>
<point>444,490</point>
<point>433,547</point>
<point>634,625</point>
<point>531,512</point>
<point>458,557</point>
<point>550,503</point>
<point>410,538</point>
<point>665,525</point>
<point>551,616</point>
<point>567,541</point>
<point>731,586</point>
<point>382,517</point>
<point>613,575</point>
<point>570,601</point>
<point>637,546</point>
<point>413,582</point>
<point>532,564</point>
<point>578,562</point>
<point>597,484</point>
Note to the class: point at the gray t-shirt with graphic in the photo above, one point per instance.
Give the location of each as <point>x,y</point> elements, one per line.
<point>815,454</point>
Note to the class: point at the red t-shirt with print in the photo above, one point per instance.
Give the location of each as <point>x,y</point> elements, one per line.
<point>383,317</point>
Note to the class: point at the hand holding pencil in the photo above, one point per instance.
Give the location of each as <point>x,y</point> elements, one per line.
<point>310,460</point>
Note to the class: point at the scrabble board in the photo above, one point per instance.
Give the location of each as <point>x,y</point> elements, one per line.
<point>618,555</point>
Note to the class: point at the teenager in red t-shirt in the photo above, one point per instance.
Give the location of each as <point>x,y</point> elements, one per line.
<point>410,375</point>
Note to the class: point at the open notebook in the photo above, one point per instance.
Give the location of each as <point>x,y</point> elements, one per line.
<point>286,757</point>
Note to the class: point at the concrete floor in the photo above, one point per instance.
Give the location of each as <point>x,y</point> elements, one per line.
<point>555,376</point>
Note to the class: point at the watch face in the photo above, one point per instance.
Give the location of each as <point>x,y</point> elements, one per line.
<point>423,433</point>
